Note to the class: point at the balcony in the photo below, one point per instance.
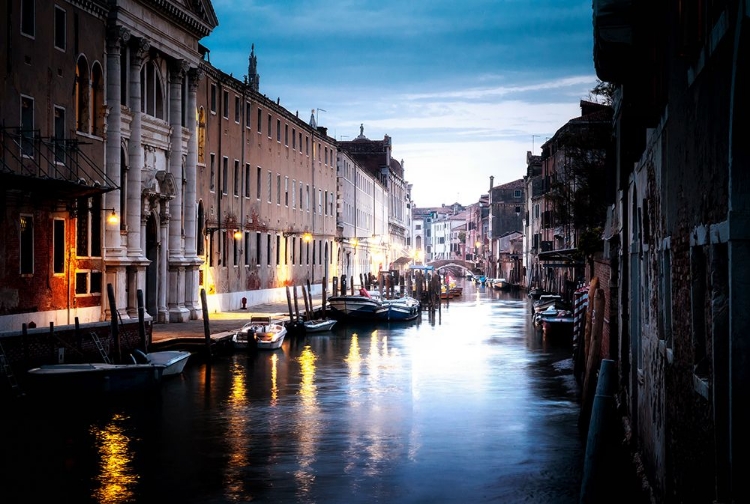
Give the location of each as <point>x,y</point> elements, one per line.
<point>51,167</point>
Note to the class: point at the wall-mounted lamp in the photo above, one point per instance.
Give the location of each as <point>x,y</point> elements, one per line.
<point>237,234</point>
<point>307,237</point>
<point>112,217</point>
<point>355,242</point>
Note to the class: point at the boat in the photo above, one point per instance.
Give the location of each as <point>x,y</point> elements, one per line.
<point>363,306</point>
<point>261,333</point>
<point>557,325</point>
<point>500,284</point>
<point>316,326</point>
<point>402,309</point>
<point>547,300</point>
<point>95,378</point>
<point>173,360</point>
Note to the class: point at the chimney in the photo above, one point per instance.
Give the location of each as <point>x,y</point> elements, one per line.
<point>492,182</point>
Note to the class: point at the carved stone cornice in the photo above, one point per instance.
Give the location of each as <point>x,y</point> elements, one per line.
<point>179,68</point>
<point>117,36</point>
<point>195,75</point>
<point>140,46</point>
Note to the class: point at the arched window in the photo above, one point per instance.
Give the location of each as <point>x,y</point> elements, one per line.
<point>202,135</point>
<point>97,100</point>
<point>152,92</point>
<point>82,95</point>
<point>200,239</point>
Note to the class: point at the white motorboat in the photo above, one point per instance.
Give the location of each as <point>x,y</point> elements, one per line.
<point>403,308</point>
<point>260,333</point>
<point>95,378</point>
<point>316,326</point>
<point>173,360</point>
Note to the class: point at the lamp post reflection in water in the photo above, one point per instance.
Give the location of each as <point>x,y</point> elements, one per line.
<point>308,425</point>
<point>353,358</point>
<point>116,478</point>
<point>237,437</point>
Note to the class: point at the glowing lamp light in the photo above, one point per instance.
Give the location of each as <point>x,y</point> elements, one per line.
<point>237,234</point>
<point>478,244</point>
<point>112,218</point>
<point>307,237</point>
<point>355,242</point>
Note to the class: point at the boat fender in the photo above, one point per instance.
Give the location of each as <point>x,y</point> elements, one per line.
<point>140,357</point>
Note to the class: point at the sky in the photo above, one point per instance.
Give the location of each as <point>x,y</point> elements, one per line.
<point>463,88</point>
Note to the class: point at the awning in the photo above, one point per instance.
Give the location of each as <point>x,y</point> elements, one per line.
<point>401,260</point>
<point>562,258</point>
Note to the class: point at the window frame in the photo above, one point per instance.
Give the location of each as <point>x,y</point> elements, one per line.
<point>55,36</point>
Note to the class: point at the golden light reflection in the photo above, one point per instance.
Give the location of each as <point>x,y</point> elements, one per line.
<point>116,478</point>
<point>308,427</point>
<point>307,370</point>
<point>274,374</point>
<point>373,359</point>
<point>354,359</point>
<point>236,432</point>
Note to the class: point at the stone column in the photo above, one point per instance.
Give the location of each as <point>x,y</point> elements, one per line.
<point>191,199</point>
<point>135,154</point>
<point>176,291</point>
<point>162,287</point>
<point>114,266</point>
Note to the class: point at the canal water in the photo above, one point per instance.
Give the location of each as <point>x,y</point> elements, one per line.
<point>473,406</point>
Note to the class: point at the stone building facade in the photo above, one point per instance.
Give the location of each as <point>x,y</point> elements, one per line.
<point>677,242</point>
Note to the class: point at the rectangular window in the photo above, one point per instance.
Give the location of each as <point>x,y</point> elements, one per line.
<point>307,253</point>
<point>27,18</point>
<point>294,194</point>
<point>236,177</point>
<point>26,242</point>
<point>247,248</point>
<point>326,202</point>
<point>82,228</point>
<point>82,282</point>
<point>320,202</point>
<point>213,98</point>
<point>58,246</point>
<point>268,249</point>
<point>258,184</point>
<point>278,250</point>
<point>224,173</point>
<point>307,197</point>
<point>294,138</point>
<point>286,135</point>
<point>27,126</point>
<point>247,180</point>
<point>95,282</point>
<point>237,109</point>
<point>270,186</point>
<point>236,246</point>
<point>59,141</point>
<point>294,245</point>
<point>326,155</point>
<point>260,120</point>
<point>313,247</point>
<point>286,250</point>
<point>269,125</point>
<point>212,182</point>
<point>257,249</point>
<point>517,193</point>
<point>247,115</point>
<point>278,130</point>
<point>307,145</point>
<point>286,191</point>
<point>278,189</point>
<point>225,105</point>
<point>60,28</point>
<point>300,196</point>
<point>300,142</point>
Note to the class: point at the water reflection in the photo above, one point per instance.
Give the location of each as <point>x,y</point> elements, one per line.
<point>117,478</point>
<point>308,424</point>
<point>237,432</point>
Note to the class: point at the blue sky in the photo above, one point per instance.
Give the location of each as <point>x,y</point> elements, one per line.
<point>464,88</point>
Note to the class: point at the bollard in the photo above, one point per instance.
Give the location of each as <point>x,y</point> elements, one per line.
<point>600,445</point>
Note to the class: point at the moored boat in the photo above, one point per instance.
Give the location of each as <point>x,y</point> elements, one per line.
<point>95,378</point>
<point>260,333</point>
<point>357,307</point>
<point>316,326</point>
<point>173,360</point>
<point>403,308</point>
<point>500,284</point>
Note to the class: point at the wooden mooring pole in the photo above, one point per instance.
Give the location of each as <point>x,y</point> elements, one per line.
<point>142,321</point>
<point>206,328</point>
<point>113,318</point>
